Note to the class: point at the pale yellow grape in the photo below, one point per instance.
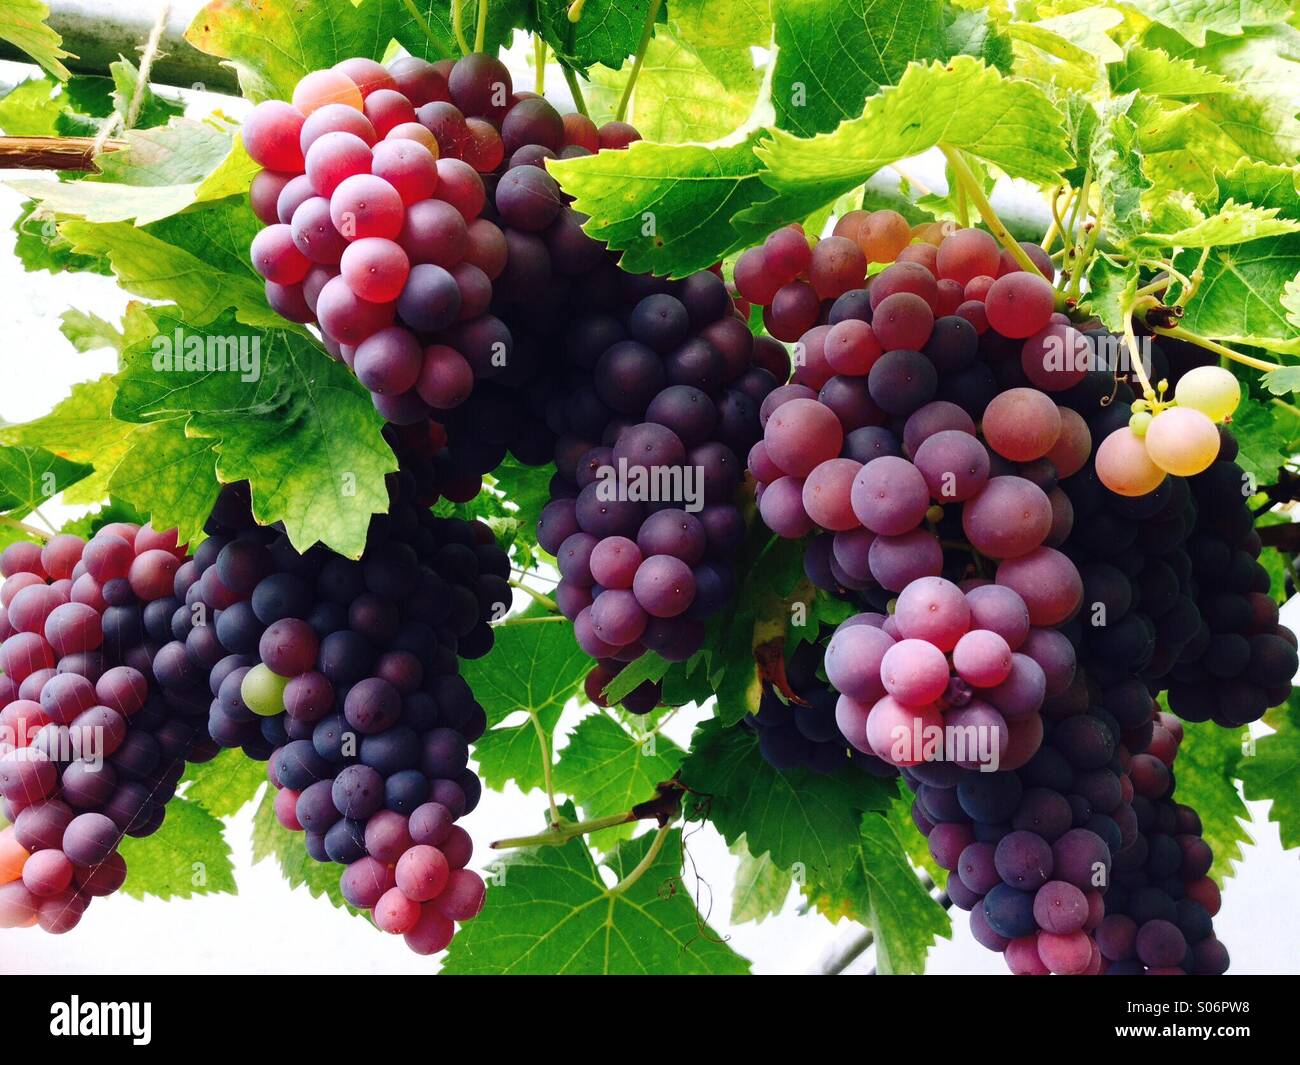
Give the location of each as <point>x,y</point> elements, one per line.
<point>1140,422</point>
<point>1124,465</point>
<point>1182,441</point>
<point>1212,390</point>
<point>263,691</point>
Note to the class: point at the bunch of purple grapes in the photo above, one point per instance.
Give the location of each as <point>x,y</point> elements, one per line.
<point>1173,589</point>
<point>1242,660</point>
<point>344,675</point>
<point>101,712</point>
<point>925,450</point>
<point>373,205</point>
<point>1079,862</point>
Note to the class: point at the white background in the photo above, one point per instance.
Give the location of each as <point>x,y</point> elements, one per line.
<point>269,928</point>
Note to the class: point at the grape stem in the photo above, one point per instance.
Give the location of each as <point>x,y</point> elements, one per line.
<point>27,530</point>
<point>434,44</point>
<point>539,61</point>
<point>480,31</point>
<point>571,79</point>
<point>548,770</point>
<point>1137,306</point>
<point>1179,333</point>
<point>531,621</point>
<point>458,25</point>
<point>538,597</point>
<point>656,845</point>
<point>647,31</point>
<point>971,186</point>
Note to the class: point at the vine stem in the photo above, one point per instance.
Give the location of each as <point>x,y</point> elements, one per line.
<point>661,837</point>
<point>1130,339</point>
<point>562,831</point>
<point>1289,408</point>
<point>647,31</point>
<point>23,527</point>
<point>548,769</point>
<point>571,79</point>
<point>458,25</point>
<point>426,29</point>
<point>539,61</point>
<point>538,597</point>
<point>147,57</point>
<point>1179,333</point>
<point>531,621</point>
<point>480,31</point>
<point>968,182</point>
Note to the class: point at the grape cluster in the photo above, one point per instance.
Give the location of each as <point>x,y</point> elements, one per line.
<point>344,676</point>
<point>951,674</point>
<point>1173,589</point>
<point>1242,661</point>
<point>373,204</point>
<point>101,711</point>
<point>919,422</point>
<point>805,733</point>
<point>1080,862</point>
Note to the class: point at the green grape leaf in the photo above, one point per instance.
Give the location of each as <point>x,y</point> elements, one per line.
<point>1117,168</point>
<point>1233,223</point>
<point>915,844</point>
<point>1273,772</point>
<point>272,44</point>
<point>649,667</point>
<point>685,94</point>
<point>1194,19</point>
<point>225,785</point>
<point>964,104</point>
<point>668,208</point>
<point>1111,288</point>
<point>30,476</point>
<point>607,33</point>
<point>82,429</point>
<point>22,24</point>
<point>188,856</point>
<point>1264,436</point>
<point>801,818</point>
<point>1259,116</point>
<point>1081,121</point>
<point>548,911</point>
<point>608,770</point>
<point>722,23</point>
<point>155,262</point>
<point>39,245</point>
<point>534,666</point>
<point>30,109</point>
<point>161,172</point>
<point>1240,299</point>
<point>275,411</point>
<point>973,31</point>
<point>431,36</point>
<point>761,886</point>
<point>832,56</point>
<point>272,840</point>
<point>882,891</point>
<point>1153,71</point>
<point>513,753</point>
<point>89,332</point>
<point>150,108</point>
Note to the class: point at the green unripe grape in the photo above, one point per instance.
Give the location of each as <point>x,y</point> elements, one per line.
<point>1212,390</point>
<point>934,514</point>
<point>263,691</point>
<point>1139,423</point>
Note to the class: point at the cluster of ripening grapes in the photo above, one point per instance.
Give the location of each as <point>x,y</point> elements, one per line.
<point>379,227</point>
<point>91,746</point>
<point>893,439</point>
<point>344,676</point>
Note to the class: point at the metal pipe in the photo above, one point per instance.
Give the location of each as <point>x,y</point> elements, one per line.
<point>97,32</point>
